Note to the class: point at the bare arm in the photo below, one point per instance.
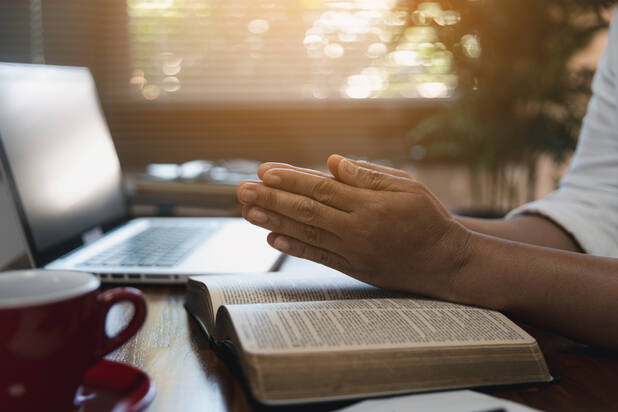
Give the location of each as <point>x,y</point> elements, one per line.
<point>531,229</point>
<point>538,283</point>
<point>573,293</point>
<point>391,231</point>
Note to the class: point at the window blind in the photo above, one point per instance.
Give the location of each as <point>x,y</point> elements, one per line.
<point>288,50</point>
<point>290,80</point>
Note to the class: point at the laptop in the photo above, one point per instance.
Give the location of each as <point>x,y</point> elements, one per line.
<point>63,174</point>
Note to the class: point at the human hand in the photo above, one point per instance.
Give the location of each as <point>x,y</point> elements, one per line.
<point>376,224</point>
<point>333,165</point>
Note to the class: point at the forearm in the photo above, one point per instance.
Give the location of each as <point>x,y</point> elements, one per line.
<point>574,294</point>
<point>530,229</point>
<point>392,232</point>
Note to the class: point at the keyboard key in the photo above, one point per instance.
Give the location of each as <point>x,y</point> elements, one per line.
<point>156,246</point>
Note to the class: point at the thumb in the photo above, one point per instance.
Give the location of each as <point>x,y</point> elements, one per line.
<point>353,174</point>
<point>334,160</point>
<point>333,164</point>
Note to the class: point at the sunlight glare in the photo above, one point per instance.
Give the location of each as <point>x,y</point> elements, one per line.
<point>358,87</point>
<point>433,90</point>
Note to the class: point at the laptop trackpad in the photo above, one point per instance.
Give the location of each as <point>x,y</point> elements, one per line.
<point>237,247</point>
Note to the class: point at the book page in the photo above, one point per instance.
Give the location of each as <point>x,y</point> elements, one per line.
<point>368,324</point>
<point>449,401</point>
<point>274,287</point>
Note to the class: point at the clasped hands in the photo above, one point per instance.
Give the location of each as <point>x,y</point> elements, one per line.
<point>371,222</point>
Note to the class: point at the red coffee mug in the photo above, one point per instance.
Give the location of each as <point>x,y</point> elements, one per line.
<point>52,329</point>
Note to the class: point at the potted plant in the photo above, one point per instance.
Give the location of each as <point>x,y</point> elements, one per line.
<point>518,98</point>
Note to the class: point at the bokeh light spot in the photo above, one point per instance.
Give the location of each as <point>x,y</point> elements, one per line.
<point>404,58</point>
<point>171,84</point>
<point>151,92</point>
<point>333,50</point>
<point>432,90</point>
<point>357,87</point>
<point>258,26</point>
<point>376,50</point>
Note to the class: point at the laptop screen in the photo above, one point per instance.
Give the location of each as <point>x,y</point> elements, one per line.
<point>58,155</point>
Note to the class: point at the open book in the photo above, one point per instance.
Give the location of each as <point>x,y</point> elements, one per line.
<point>326,336</point>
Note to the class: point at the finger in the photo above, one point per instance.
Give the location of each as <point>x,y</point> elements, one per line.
<point>300,249</point>
<point>281,224</point>
<point>323,189</point>
<point>264,167</point>
<point>384,169</point>
<point>333,165</point>
<point>352,174</point>
<point>296,207</point>
<point>241,185</point>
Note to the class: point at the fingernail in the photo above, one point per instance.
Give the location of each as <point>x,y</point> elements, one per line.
<point>349,167</point>
<point>282,244</point>
<point>248,195</point>
<point>257,216</point>
<point>272,179</point>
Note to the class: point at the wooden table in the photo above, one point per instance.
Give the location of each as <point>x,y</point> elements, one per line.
<point>189,376</point>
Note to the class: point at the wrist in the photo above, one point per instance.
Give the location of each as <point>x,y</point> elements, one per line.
<point>482,277</point>
<point>458,247</point>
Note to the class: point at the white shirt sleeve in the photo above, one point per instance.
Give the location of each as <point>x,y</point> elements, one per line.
<point>586,203</point>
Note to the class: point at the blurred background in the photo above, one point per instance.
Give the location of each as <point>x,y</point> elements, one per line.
<point>480,99</point>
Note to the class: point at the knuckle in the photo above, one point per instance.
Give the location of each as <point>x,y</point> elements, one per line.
<point>324,258</point>
<point>302,251</point>
<point>274,222</point>
<point>374,178</point>
<point>269,197</point>
<point>306,210</point>
<point>312,235</point>
<point>423,188</point>
<point>322,191</point>
<point>415,186</point>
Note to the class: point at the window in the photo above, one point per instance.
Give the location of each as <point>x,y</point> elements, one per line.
<point>288,50</point>
<point>259,79</point>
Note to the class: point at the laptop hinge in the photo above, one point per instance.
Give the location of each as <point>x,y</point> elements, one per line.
<point>92,235</point>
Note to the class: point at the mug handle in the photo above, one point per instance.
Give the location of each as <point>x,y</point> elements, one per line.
<point>110,298</point>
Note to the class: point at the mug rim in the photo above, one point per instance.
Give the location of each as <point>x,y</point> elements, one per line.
<point>92,284</point>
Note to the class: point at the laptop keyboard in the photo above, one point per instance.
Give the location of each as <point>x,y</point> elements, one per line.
<point>155,246</point>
